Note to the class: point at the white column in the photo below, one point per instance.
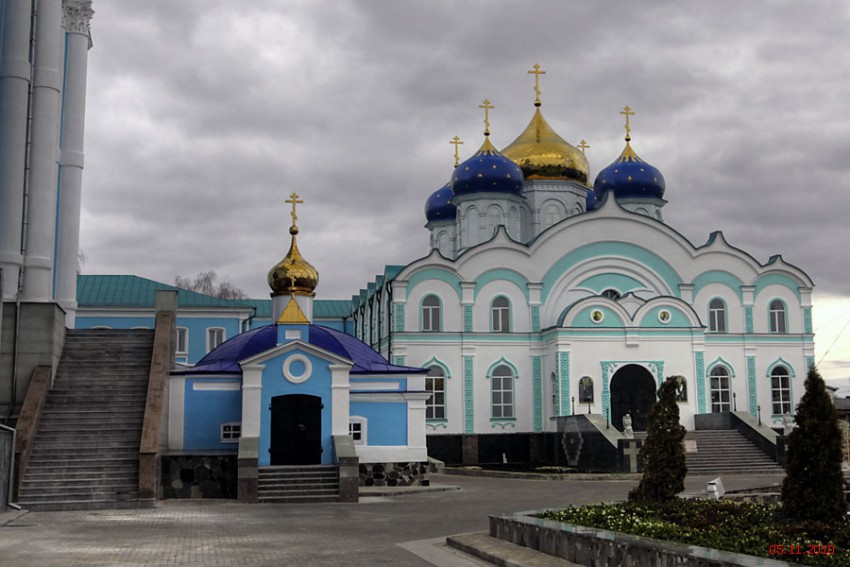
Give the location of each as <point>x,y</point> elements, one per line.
<point>78,14</point>
<point>44,150</point>
<point>340,399</point>
<point>15,20</point>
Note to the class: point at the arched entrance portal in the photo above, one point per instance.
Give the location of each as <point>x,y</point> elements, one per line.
<point>632,392</point>
<point>296,430</point>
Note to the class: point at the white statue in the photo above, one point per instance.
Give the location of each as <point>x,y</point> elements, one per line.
<point>627,426</point>
<point>787,423</point>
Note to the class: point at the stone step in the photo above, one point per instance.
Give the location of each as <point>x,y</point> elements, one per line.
<point>87,473</point>
<point>307,491</point>
<point>297,481</point>
<point>60,505</point>
<point>105,483</point>
<point>296,499</point>
<point>127,492</point>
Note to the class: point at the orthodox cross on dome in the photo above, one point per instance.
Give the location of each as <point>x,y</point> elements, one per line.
<point>294,200</point>
<point>627,111</point>
<point>456,142</point>
<point>583,145</point>
<point>487,107</point>
<point>536,72</point>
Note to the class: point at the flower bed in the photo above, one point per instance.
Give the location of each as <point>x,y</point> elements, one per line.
<point>741,527</point>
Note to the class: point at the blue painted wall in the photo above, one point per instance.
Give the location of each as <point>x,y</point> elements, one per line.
<point>274,384</point>
<point>205,411</point>
<point>386,422</point>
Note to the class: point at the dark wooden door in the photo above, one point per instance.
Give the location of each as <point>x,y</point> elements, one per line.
<point>296,430</point>
<point>632,392</point>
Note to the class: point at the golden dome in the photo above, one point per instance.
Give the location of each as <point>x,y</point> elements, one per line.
<point>542,154</point>
<point>293,275</point>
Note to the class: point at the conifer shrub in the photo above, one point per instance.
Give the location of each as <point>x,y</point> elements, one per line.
<point>662,455</point>
<point>813,489</point>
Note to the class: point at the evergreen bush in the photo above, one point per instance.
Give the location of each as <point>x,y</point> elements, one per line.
<point>662,455</point>
<point>813,489</point>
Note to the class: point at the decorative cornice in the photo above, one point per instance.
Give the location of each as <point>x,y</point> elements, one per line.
<point>77,18</point>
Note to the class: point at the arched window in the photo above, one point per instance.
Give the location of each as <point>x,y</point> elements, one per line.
<point>431,314</point>
<point>720,389</point>
<point>780,390</point>
<point>556,408</point>
<point>501,315</point>
<point>552,215</point>
<point>435,384</point>
<point>494,219</point>
<point>502,390</point>
<point>470,227</point>
<point>777,317</point>
<point>611,294</point>
<point>585,390</point>
<point>716,316</point>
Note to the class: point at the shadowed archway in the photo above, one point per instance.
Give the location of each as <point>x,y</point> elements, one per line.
<point>632,392</point>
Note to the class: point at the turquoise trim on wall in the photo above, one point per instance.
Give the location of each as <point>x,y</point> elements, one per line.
<point>398,360</point>
<point>434,274</point>
<point>718,276</point>
<point>780,361</point>
<point>777,279</point>
<point>699,364</point>
<point>535,318</point>
<point>719,361</point>
<point>502,361</point>
<point>807,320</point>
<point>677,318</point>
<point>467,318</point>
<point>399,317</point>
<point>504,274</point>
<point>434,361</point>
<point>468,402</point>
<point>564,377</point>
<point>610,367</point>
<point>600,282</point>
<point>810,361</point>
<point>597,250</point>
<point>751,385</point>
<point>537,377</point>
<point>748,318</point>
<point>610,320</point>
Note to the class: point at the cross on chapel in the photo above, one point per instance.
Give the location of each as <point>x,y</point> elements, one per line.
<point>294,200</point>
<point>487,107</point>
<point>456,141</point>
<point>627,111</point>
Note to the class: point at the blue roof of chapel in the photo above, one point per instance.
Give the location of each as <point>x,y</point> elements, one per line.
<point>226,357</point>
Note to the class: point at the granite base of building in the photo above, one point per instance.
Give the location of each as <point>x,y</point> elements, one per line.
<point>394,474</point>
<point>515,449</point>
<point>199,476</point>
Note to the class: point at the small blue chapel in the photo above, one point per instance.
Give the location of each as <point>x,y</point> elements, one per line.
<point>283,392</point>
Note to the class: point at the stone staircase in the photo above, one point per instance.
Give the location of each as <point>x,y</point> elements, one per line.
<point>297,484</point>
<point>727,452</point>
<point>86,450</point>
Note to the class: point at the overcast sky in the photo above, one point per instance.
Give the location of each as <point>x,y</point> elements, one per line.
<point>203,116</point>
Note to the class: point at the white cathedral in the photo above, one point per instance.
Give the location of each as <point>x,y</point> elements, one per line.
<point>545,295</point>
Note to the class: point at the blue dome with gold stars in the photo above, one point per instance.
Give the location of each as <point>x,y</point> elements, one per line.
<point>439,205</point>
<point>488,171</point>
<point>630,176</point>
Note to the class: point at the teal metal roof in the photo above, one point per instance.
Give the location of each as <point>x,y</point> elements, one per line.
<point>333,308</point>
<point>134,291</point>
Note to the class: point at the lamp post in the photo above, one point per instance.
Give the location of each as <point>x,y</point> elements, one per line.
<point>574,405</point>
<point>734,402</point>
<point>588,407</point>
<point>607,418</point>
<point>759,410</point>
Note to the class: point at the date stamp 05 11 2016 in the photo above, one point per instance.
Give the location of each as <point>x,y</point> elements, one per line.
<point>797,549</point>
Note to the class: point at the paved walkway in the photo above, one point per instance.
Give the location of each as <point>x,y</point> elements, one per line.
<point>380,530</point>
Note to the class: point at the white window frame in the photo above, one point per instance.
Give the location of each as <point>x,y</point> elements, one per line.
<point>210,331</point>
<point>718,376</point>
<point>431,315</point>
<point>231,431</point>
<point>355,422</point>
<point>185,332</point>
<point>716,316</point>
<point>432,405</point>
<point>778,317</point>
<point>502,393</point>
<point>500,315</point>
<point>780,387</point>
